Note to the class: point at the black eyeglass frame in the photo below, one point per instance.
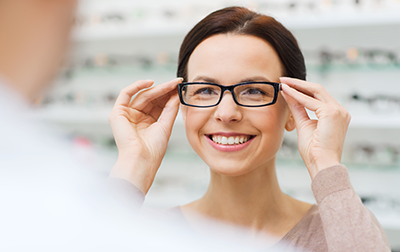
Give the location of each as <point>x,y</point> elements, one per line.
<point>277,87</point>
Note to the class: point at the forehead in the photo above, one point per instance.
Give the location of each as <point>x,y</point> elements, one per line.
<point>230,58</point>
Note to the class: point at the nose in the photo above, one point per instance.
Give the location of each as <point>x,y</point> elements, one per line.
<point>227,110</point>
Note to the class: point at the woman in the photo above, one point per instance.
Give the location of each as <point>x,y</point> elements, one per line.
<point>236,106</point>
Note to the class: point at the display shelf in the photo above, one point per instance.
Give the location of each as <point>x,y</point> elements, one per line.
<point>129,31</point>
<point>375,122</point>
<point>74,115</point>
<point>389,221</point>
<point>172,68</point>
<point>79,115</point>
<point>353,68</point>
<point>335,19</point>
<point>84,115</point>
<point>125,71</point>
<point>164,28</point>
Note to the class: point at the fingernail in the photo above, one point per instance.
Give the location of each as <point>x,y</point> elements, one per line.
<point>180,78</point>
<point>285,87</point>
<point>283,78</point>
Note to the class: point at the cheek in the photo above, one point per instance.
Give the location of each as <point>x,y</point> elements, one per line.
<point>271,124</point>
<point>279,113</point>
<point>273,118</point>
<point>194,120</point>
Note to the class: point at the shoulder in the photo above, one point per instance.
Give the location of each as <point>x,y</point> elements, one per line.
<point>308,233</point>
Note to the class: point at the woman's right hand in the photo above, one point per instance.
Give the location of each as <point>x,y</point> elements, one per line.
<point>142,127</point>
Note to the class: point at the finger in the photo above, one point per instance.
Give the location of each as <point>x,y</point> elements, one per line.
<point>314,90</point>
<point>169,113</point>
<point>145,101</point>
<point>158,107</point>
<point>303,99</point>
<point>298,112</point>
<point>125,96</point>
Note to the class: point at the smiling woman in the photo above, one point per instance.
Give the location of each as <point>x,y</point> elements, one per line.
<point>236,107</point>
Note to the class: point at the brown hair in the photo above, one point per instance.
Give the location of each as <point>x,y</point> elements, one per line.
<point>241,21</point>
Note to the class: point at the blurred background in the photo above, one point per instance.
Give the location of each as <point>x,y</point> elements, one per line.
<point>351,47</point>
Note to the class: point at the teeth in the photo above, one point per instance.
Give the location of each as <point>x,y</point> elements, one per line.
<point>229,140</point>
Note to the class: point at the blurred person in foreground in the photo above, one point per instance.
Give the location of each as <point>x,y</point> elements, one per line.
<point>244,85</point>
<point>49,201</point>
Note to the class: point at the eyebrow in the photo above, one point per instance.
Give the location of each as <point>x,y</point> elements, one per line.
<point>212,80</point>
<point>206,79</point>
<point>256,78</point>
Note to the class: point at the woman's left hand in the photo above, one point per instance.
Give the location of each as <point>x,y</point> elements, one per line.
<point>320,142</point>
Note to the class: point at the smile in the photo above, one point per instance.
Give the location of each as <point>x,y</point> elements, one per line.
<point>230,140</point>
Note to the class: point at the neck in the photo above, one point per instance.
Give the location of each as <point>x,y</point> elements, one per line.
<point>246,199</point>
<point>254,200</point>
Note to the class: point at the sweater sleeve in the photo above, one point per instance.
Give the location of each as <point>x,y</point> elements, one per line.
<point>347,223</point>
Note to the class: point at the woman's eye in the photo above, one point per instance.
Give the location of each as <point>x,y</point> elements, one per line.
<point>254,91</point>
<point>205,91</point>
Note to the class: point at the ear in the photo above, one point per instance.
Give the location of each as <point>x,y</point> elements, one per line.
<point>290,124</point>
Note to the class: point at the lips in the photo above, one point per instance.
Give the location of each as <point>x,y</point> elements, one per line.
<point>229,140</point>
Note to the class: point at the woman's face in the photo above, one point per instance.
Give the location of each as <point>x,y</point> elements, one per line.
<point>228,59</point>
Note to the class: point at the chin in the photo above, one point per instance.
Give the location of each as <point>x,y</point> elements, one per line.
<point>233,169</point>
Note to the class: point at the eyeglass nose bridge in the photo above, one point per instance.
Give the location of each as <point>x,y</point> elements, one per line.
<point>230,89</point>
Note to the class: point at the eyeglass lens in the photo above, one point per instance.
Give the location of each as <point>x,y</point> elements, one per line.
<point>254,94</point>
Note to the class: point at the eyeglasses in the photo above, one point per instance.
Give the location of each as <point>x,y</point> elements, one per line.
<point>246,94</point>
